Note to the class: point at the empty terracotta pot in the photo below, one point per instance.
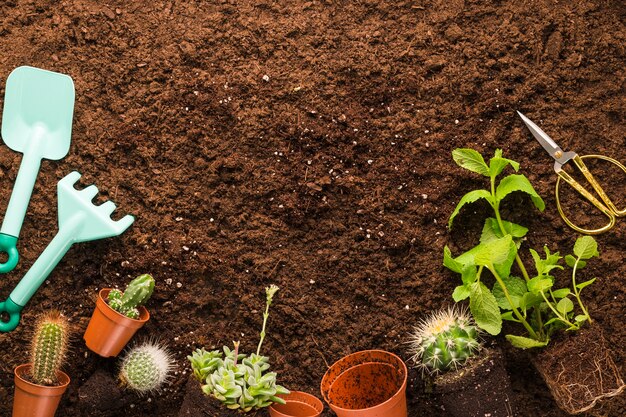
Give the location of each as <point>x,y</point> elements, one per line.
<point>109,331</point>
<point>371,383</point>
<point>32,400</point>
<point>299,404</point>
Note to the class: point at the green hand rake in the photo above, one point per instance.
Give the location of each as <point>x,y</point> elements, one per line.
<point>79,221</point>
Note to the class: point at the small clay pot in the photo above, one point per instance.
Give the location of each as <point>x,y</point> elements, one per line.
<point>579,370</point>
<point>370,383</point>
<point>479,388</point>
<point>299,404</point>
<point>32,400</point>
<point>109,331</point>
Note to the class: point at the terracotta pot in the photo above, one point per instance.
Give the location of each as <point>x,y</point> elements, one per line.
<point>481,387</point>
<point>579,370</point>
<point>32,400</point>
<point>371,383</point>
<point>109,331</point>
<point>299,404</point>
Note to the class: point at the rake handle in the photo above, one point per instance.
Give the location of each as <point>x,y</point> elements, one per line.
<point>20,197</point>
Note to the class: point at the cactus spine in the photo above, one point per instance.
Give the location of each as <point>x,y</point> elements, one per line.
<point>145,367</point>
<point>444,341</point>
<point>137,293</point>
<point>49,348</point>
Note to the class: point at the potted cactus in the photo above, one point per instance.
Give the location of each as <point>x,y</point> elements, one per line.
<point>118,315</point>
<point>146,367</point>
<point>469,377</point>
<point>239,381</point>
<point>40,384</point>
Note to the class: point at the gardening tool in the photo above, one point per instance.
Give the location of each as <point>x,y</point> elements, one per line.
<point>79,221</point>
<point>606,206</point>
<point>37,121</point>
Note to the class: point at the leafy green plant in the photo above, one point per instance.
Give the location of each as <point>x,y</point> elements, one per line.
<point>238,380</point>
<point>444,341</point>
<point>136,294</point>
<point>49,347</point>
<point>531,301</point>
<point>146,367</point>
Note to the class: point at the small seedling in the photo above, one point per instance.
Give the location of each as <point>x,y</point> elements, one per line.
<point>146,367</point>
<point>49,347</point>
<point>136,294</point>
<point>444,341</point>
<point>239,381</point>
<point>531,300</point>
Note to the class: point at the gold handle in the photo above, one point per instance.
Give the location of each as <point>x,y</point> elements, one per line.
<point>610,211</point>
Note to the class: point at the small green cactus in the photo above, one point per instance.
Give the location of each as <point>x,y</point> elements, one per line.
<point>444,341</point>
<point>137,293</point>
<point>49,347</point>
<point>145,367</point>
<point>239,381</point>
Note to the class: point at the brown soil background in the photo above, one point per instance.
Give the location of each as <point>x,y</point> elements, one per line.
<point>333,179</point>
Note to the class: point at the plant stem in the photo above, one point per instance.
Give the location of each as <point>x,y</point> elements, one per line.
<point>563,319</point>
<point>576,291</point>
<point>265,316</point>
<point>518,260</point>
<point>236,351</point>
<point>521,318</point>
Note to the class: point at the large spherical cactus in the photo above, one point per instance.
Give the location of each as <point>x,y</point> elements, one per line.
<point>146,367</point>
<point>444,341</point>
<point>49,347</point>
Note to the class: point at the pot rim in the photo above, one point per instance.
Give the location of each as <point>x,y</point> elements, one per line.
<point>393,398</point>
<point>19,370</point>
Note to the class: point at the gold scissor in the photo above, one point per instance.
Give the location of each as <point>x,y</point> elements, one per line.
<point>606,206</point>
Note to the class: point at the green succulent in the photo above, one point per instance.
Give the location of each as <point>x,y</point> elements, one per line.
<point>136,294</point>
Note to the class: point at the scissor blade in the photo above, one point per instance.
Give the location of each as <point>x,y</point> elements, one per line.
<point>542,137</point>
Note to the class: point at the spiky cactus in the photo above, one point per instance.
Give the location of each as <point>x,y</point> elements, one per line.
<point>49,347</point>
<point>136,294</point>
<point>444,341</point>
<point>146,367</point>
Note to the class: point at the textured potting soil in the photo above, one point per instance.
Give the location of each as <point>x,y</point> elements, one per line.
<point>307,144</point>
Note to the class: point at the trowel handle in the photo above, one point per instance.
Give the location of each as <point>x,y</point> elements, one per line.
<point>16,211</point>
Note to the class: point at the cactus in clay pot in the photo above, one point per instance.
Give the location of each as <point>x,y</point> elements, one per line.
<point>146,367</point>
<point>49,347</point>
<point>444,341</point>
<point>136,294</point>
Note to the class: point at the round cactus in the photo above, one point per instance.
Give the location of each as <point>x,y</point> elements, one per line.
<point>146,367</point>
<point>445,340</point>
<point>49,347</point>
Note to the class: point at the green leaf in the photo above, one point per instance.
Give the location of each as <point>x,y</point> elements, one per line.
<point>484,308</point>
<point>584,284</point>
<point>491,230</point>
<point>519,183</point>
<point>581,318</point>
<point>586,247</point>
<point>560,293</point>
<point>450,263</point>
<point>460,293</point>
<point>468,198</point>
<point>498,163</point>
<point>468,276</point>
<point>539,284</point>
<point>495,252</point>
<point>471,160</point>
<point>524,342</point>
<point>564,306</point>
<point>530,300</point>
<point>571,261</point>
<point>508,315</point>
<point>544,266</point>
<point>517,289</point>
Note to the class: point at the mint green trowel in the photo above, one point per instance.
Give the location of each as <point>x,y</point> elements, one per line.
<point>79,221</point>
<point>36,121</point>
